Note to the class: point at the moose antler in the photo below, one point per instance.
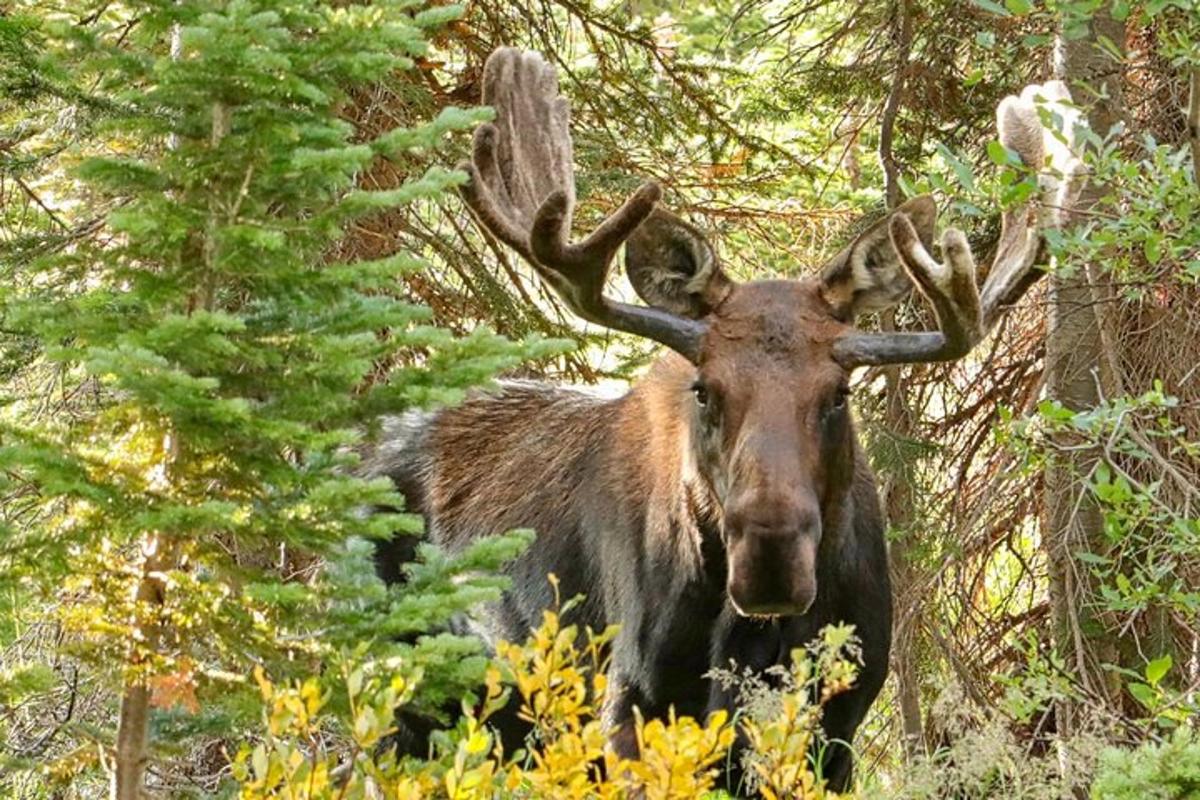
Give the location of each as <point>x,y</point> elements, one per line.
<point>522,190</point>
<point>965,314</point>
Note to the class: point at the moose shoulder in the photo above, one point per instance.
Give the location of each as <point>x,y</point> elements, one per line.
<point>722,508</point>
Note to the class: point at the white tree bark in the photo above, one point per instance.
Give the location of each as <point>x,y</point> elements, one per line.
<point>1075,376</point>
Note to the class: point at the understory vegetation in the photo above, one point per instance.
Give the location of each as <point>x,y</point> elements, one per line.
<point>230,244</point>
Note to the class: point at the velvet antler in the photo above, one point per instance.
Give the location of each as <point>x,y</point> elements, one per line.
<point>522,190</point>
<point>966,313</point>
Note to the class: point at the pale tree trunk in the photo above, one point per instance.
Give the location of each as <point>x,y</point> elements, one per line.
<point>898,504</point>
<point>1076,377</point>
<point>129,768</point>
<point>898,494</point>
<point>906,631</point>
<point>891,107</point>
<point>158,557</point>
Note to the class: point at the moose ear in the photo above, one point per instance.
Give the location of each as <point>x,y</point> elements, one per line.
<point>868,275</point>
<point>672,266</point>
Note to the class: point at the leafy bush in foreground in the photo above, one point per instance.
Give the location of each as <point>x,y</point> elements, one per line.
<point>1166,771</point>
<point>558,677</point>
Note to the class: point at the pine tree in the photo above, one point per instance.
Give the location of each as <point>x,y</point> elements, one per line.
<point>230,365</point>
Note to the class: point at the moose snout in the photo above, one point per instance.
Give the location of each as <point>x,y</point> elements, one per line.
<point>773,560</point>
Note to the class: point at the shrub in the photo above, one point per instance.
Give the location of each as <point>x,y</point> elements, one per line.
<point>309,749</point>
<point>1153,771</point>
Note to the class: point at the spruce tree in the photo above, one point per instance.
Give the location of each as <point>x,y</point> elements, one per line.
<point>231,367</point>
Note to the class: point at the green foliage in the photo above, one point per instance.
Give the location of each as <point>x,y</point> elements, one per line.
<point>366,617</point>
<point>1032,690</point>
<point>24,681</point>
<point>231,363</point>
<point>1168,770</point>
<point>192,352</point>
<point>1148,534</point>
<point>999,750</point>
<point>1143,227</point>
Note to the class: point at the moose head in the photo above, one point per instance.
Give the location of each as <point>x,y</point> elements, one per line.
<point>770,430</point>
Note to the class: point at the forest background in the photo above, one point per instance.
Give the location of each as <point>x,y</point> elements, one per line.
<point>230,242</point>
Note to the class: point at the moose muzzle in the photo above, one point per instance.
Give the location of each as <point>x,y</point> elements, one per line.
<point>773,559</point>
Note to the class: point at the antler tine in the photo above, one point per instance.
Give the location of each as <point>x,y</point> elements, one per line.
<point>487,196</point>
<point>949,288</point>
<point>965,314</point>
<point>522,190</point>
<point>1021,130</point>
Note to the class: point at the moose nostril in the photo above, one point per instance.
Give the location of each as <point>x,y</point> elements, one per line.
<point>773,571</point>
<point>778,516</point>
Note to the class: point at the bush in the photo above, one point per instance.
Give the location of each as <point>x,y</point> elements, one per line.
<point>558,678</point>
<point>1154,771</point>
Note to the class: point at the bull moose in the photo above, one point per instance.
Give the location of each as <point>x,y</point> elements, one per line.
<point>722,509</point>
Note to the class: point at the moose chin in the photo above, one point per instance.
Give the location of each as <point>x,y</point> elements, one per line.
<point>721,510</point>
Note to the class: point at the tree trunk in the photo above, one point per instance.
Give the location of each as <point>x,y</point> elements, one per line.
<point>898,504</point>
<point>130,767</point>
<point>891,107</point>
<point>1075,377</point>
<point>158,557</point>
<point>898,420</point>
<point>160,554</point>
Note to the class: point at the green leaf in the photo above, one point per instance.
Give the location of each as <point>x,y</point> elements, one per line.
<point>995,8</point>
<point>962,170</point>
<point>260,763</point>
<point>1158,668</point>
<point>1001,155</point>
<point>1153,249</point>
<point>1112,48</point>
<point>1144,694</point>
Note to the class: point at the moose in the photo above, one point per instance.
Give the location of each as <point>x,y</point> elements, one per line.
<point>721,510</point>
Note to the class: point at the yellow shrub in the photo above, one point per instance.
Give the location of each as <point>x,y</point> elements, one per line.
<point>558,675</point>
<point>780,740</point>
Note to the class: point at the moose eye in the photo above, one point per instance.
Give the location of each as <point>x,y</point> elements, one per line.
<point>839,400</point>
<point>700,392</point>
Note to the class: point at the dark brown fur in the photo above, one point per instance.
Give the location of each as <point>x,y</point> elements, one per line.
<point>722,509</point>
<point>630,495</point>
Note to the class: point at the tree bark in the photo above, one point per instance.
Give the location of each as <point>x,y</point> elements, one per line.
<point>158,556</point>
<point>898,504</point>
<point>132,732</point>
<point>891,107</point>
<point>898,496</point>
<point>1075,377</point>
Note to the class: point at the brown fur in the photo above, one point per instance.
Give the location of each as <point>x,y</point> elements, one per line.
<point>659,517</point>
<point>722,509</point>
